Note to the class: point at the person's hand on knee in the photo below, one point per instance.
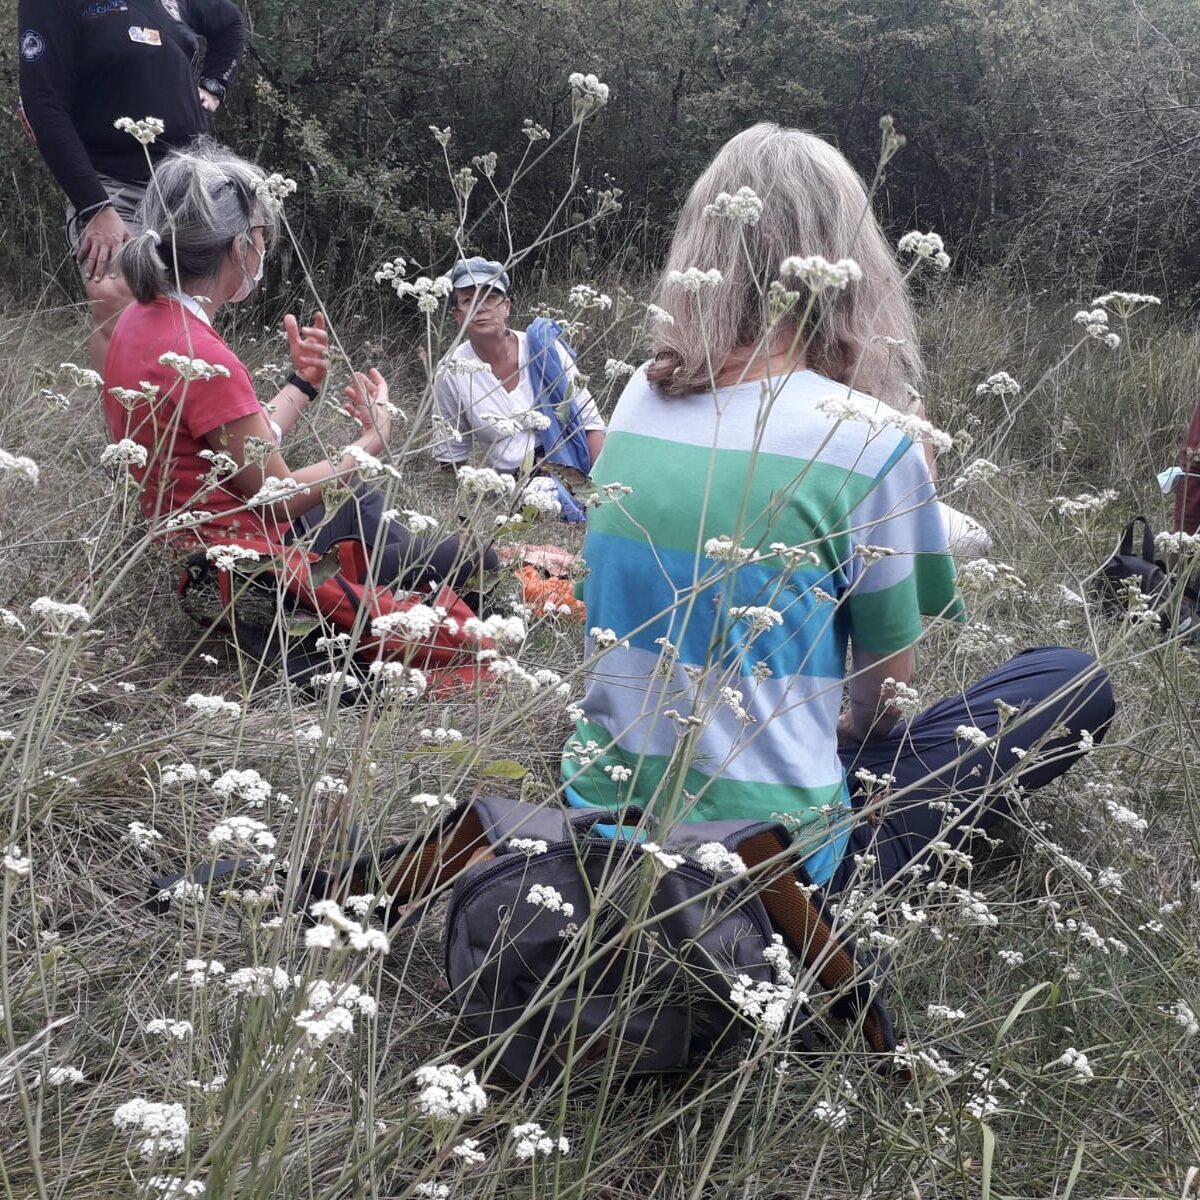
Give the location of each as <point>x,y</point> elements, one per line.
<point>103,237</point>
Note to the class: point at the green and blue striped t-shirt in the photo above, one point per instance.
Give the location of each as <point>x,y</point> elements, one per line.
<point>759,534</point>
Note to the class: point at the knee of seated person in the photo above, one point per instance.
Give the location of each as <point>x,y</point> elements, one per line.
<point>1097,701</point>
<point>109,296</point>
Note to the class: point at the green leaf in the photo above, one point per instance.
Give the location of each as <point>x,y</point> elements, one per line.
<point>1073,1178</point>
<point>989,1153</point>
<point>326,567</point>
<point>505,768</point>
<point>1023,1002</point>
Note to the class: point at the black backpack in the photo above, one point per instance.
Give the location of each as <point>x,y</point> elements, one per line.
<point>1133,566</point>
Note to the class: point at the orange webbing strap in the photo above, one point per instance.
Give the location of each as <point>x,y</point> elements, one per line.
<point>811,938</point>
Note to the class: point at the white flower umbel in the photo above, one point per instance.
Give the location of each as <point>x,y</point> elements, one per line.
<point>819,274</point>
<point>480,482</point>
<point>1000,384</point>
<point>978,471</point>
<point>142,836</point>
<point>242,833</point>
<point>16,862</point>
<point>529,846</point>
<point>695,281</point>
<point>58,613</point>
<point>80,377</point>
<point>533,131</point>
<point>588,95</point>
<point>972,735</point>
<point>1125,304</point>
<point>276,488</point>
<point>1084,503</point>
<point>616,368</point>
<point>145,131</point>
<point>743,207</point>
<point>420,622</point>
<point>191,369</point>
<point>60,1077</point>
<point>766,1004</point>
<point>274,190</point>
<point>226,558</point>
<point>662,858</point>
<point>427,292</point>
<point>582,297</point>
<point>246,784</point>
<point>942,1012</point>
<point>712,856</point>
<point>836,1116</point>
<point>659,316</point>
<point>758,617</point>
<point>434,801</point>
<point>504,631</point>
<point>446,1093</point>
<point>213,706</point>
<point>259,981</point>
<point>1185,1018</point>
<point>175,1031</point>
<point>331,1009</point>
<point>125,453</point>
<point>542,895</point>
<point>724,549</point>
<point>1095,325</point>
<point>928,246</point>
<point>468,1151</point>
<point>1074,1060</point>
<point>19,464</point>
<point>530,1141</point>
<point>175,1187</point>
<point>339,932</point>
<point>197,972</point>
<point>162,1128</point>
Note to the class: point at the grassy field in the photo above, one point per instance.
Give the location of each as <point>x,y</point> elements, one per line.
<point>1090,946</point>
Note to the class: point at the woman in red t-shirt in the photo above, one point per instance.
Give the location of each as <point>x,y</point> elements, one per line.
<point>173,386</point>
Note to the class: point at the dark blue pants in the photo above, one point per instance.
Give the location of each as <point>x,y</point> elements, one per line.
<point>1052,686</point>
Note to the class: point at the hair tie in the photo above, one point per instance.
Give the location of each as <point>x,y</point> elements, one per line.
<point>155,236</point>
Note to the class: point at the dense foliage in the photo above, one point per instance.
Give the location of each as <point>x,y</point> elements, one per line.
<point>1063,134</point>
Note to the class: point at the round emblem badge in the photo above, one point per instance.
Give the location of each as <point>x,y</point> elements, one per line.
<point>33,45</point>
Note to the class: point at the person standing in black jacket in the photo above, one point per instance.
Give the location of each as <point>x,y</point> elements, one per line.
<point>86,63</point>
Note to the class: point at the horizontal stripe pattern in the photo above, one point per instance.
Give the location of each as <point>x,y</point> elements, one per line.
<point>716,713</point>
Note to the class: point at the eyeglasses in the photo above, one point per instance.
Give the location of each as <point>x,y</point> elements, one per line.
<point>488,298</point>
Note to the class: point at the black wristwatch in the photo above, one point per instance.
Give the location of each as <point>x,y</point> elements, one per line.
<point>302,385</point>
<point>215,86</point>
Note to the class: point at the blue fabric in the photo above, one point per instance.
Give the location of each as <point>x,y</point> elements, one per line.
<point>564,440</point>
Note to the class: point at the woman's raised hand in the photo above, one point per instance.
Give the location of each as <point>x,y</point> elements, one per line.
<point>367,403</point>
<point>308,347</point>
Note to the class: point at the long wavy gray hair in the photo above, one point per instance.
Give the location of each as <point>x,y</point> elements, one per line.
<point>813,202</point>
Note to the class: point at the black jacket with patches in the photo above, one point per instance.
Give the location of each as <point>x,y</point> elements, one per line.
<point>85,63</point>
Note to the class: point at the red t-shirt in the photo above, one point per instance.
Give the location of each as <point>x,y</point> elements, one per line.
<point>172,428</point>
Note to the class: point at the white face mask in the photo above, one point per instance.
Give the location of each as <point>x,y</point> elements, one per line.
<point>249,284</point>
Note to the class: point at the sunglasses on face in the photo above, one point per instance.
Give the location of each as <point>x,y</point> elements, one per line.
<point>487,299</point>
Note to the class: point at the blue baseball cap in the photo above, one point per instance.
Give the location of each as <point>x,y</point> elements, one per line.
<point>480,272</point>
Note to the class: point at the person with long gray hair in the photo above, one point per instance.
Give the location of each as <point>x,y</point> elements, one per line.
<point>207,454</point>
<point>771,511</point>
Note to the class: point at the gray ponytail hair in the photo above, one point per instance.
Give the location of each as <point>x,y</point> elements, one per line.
<point>200,201</point>
<point>813,202</point>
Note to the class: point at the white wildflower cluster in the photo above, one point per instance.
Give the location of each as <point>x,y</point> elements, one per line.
<point>724,549</point>
<point>694,280</point>
<point>983,575</point>
<point>603,639</point>
<point>766,1004</point>
<point>831,1113</point>
<point>901,698</point>
<point>1074,1060</point>
<point>504,631</point>
<point>1011,958</point>
<point>943,1012</point>
<point>446,1093</point>
<point>460,366</point>
<point>541,495</point>
<point>186,772</point>
<point>441,736</point>
<point>427,292</point>
<point>330,1009</point>
<point>658,315</point>
<point>542,895</point>
<point>125,453</point>
<point>846,407</point>
<point>175,1187</point>
<point>530,1141</point>
<point>259,981</point>
<point>227,558</point>
<point>979,471</point>
<point>928,246</point>
<point>242,833</point>
<point>197,973</point>
<point>588,95</point>
<point>521,420</point>
<point>582,297</point>
<point>212,706</point>
<point>142,836</point>
<point>758,617</point>
<point>430,1189</point>
<point>662,858</point>
<point>191,369</point>
<point>421,622</point>
<point>19,464</point>
<point>818,274</point>
<point>162,1128</point>
<point>415,522</point>
<point>16,861</point>
<point>1125,304</point>
<point>1177,545</point>
<point>60,613</point>
<point>146,393</point>
<point>276,488</point>
<point>972,734</point>
<point>368,465</point>
<point>433,801</point>
<point>528,846</point>
<point>1084,503</point>
<point>733,698</point>
<point>247,785</point>
<point>743,207</point>
<point>480,482</point>
<point>60,1077</point>
<point>175,1031</point>
<point>338,932</point>
<point>145,131</point>
<point>617,368</point>
<point>1095,326</point>
<point>1185,1018</point>
<point>533,131</point>
<point>274,190</point>
<point>80,377</point>
<point>1000,384</point>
